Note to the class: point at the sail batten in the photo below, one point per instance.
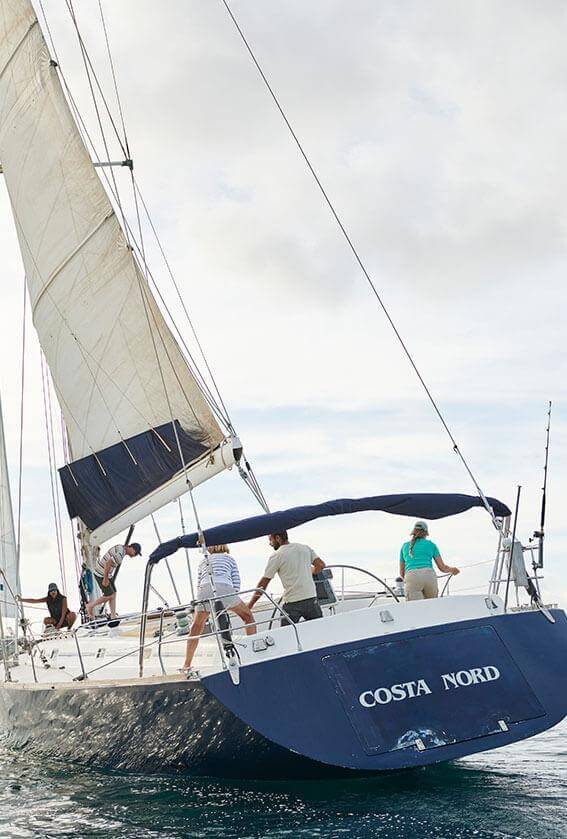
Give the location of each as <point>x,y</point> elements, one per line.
<point>118,371</point>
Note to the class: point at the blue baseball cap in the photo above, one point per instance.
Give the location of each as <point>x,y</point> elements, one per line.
<point>137,547</point>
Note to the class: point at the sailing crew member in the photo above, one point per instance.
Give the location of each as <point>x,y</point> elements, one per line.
<point>60,616</point>
<point>105,570</point>
<point>295,564</point>
<point>416,564</point>
<point>224,589</point>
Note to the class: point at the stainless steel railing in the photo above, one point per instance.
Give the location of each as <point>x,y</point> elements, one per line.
<point>173,637</point>
<point>368,574</point>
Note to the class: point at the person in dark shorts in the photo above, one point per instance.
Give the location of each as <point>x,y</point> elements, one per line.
<point>295,564</point>
<point>105,570</point>
<point>60,616</point>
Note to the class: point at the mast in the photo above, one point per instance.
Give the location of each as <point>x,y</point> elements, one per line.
<point>8,548</point>
<point>141,429</point>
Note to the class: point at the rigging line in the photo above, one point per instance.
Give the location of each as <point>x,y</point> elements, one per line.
<point>88,64</point>
<point>253,486</point>
<point>52,465</point>
<point>28,606</point>
<point>146,272</point>
<point>113,187</point>
<point>56,520</point>
<point>183,530</point>
<point>358,259</point>
<point>84,353</point>
<point>51,457</point>
<point>115,192</point>
<point>68,327</point>
<point>183,304</point>
<point>511,553</point>
<point>167,565</point>
<point>202,542</point>
<point>81,125</point>
<point>21,453</point>
<point>149,309</point>
<point>115,82</point>
<point>256,483</point>
<point>52,433</point>
<point>165,390</point>
<point>67,457</point>
<point>193,368</point>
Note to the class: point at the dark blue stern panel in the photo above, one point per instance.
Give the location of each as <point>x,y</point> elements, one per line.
<point>410,698</point>
<point>442,689</point>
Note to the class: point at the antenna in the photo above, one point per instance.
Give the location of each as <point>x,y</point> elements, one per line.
<point>539,534</point>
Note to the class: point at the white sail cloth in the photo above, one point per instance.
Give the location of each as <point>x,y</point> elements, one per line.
<point>8,550</point>
<point>117,368</point>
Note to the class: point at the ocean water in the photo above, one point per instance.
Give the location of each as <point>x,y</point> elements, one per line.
<point>518,791</point>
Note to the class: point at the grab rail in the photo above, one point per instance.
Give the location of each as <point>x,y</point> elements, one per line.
<point>368,574</point>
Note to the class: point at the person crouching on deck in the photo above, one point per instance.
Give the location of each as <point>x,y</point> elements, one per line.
<point>224,588</point>
<point>416,564</point>
<point>295,564</point>
<point>105,570</point>
<point>60,616</point>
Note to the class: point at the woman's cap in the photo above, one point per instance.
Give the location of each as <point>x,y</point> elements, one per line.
<point>52,587</point>
<point>421,525</point>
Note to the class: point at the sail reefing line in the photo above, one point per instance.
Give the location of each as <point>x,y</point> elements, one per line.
<point>93,309</point>
<point>359,261</point>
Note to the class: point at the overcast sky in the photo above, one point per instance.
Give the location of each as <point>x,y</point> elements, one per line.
<point>439,130</point>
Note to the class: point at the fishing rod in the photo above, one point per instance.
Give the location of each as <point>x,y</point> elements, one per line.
<point>539,534</point>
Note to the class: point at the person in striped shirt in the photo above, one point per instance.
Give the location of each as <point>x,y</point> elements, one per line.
<point>224,587</point>
<point>105,570</point>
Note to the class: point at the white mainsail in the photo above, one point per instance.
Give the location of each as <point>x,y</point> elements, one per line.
<point>138,423</point>
<point>8,549</point>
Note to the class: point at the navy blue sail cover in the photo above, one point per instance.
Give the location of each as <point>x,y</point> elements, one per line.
<point>426,505</point>
<point>97,497</point>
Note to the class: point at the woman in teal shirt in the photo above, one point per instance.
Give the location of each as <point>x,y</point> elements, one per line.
<point>416,564</point>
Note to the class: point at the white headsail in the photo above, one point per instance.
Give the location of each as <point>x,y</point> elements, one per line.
<point>8,550</point>
<point>138,423</point>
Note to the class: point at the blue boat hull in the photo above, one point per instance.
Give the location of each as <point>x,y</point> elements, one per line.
<point>409,699</point>
<point>300,716</point>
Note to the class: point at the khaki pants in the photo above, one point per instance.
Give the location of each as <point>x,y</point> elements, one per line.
<point>421,584</point>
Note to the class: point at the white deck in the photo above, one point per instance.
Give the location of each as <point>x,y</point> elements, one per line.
<point>112,654</point>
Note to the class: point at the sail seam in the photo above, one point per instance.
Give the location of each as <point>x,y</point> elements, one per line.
<point>21,42</point>
<point>69,258</point>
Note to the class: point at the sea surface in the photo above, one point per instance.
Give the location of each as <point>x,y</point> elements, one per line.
<point>518,791</point>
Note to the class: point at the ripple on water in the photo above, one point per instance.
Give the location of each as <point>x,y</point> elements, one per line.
<point>519,791</point>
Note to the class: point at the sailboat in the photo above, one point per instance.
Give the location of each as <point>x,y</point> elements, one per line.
<point>376,684</point>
